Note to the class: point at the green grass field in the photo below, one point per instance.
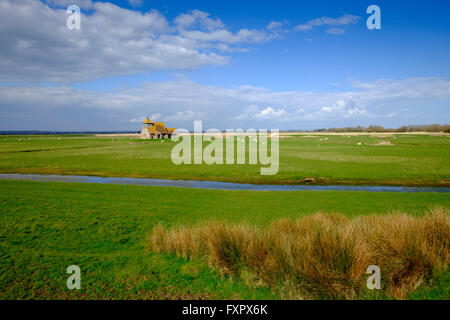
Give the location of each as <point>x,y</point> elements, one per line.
<point>412,160</point>
<point>104,229</point>
<point>47,226</point>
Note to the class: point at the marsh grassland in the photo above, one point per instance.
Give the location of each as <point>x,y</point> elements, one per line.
<point>342,159</point>
<point>138,242</point>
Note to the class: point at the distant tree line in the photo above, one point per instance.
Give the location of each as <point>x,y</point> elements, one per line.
<point>376,128</point>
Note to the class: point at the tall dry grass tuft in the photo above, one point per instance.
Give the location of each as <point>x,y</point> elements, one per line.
<point>408,249</point>
<point>321,256</point>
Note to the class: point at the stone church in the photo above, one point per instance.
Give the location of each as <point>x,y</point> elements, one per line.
<point>155,130</point>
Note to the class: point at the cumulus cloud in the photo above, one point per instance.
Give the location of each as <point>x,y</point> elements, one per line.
<point>184,116</point>
<point>225,36</point>
<point>330,22</point>
<point>197,18</point>
<point>343,109</point>
<point>36,45</point>
<point>83,4</point>
<point>267,113</point>
<point>179,102</point>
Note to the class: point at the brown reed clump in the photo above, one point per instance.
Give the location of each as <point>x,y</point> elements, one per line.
<point>321,256</point>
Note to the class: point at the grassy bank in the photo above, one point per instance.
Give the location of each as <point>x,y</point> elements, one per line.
<point>45,227</point>
<point>408,160</point>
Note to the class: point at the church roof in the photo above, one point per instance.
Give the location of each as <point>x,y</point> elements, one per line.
<point>160,127</point>
<point>147,121</point>
<point>157,127</point>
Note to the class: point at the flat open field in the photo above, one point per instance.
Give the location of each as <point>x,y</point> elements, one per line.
<point>105,229</point>
<point>330,159</point>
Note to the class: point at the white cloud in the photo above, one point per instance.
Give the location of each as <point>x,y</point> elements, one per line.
<point>225,36</point>
<point>247,112</point>
<point>137,120</point>
<point>181,101</point>
<point>185,116</point>
<point>197,18</point>
<point>271,113</point>
<point>343,109</point>
<point>336,31</point>
<point>274,25</point>
<point>135,3</point>
<point>254,112</point>
<point>155,116</point>
<point>330,22</point>
<point>83,4</point>
<point>391,115</point>
<point>36,45</point>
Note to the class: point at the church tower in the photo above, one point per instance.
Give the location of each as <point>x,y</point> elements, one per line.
<point>147,123</point>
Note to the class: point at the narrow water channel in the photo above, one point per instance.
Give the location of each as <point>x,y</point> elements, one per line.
<point>215,184</point>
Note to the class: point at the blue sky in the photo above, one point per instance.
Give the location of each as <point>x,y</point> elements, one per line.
<point>414,41</point>
<point>250,64</point>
